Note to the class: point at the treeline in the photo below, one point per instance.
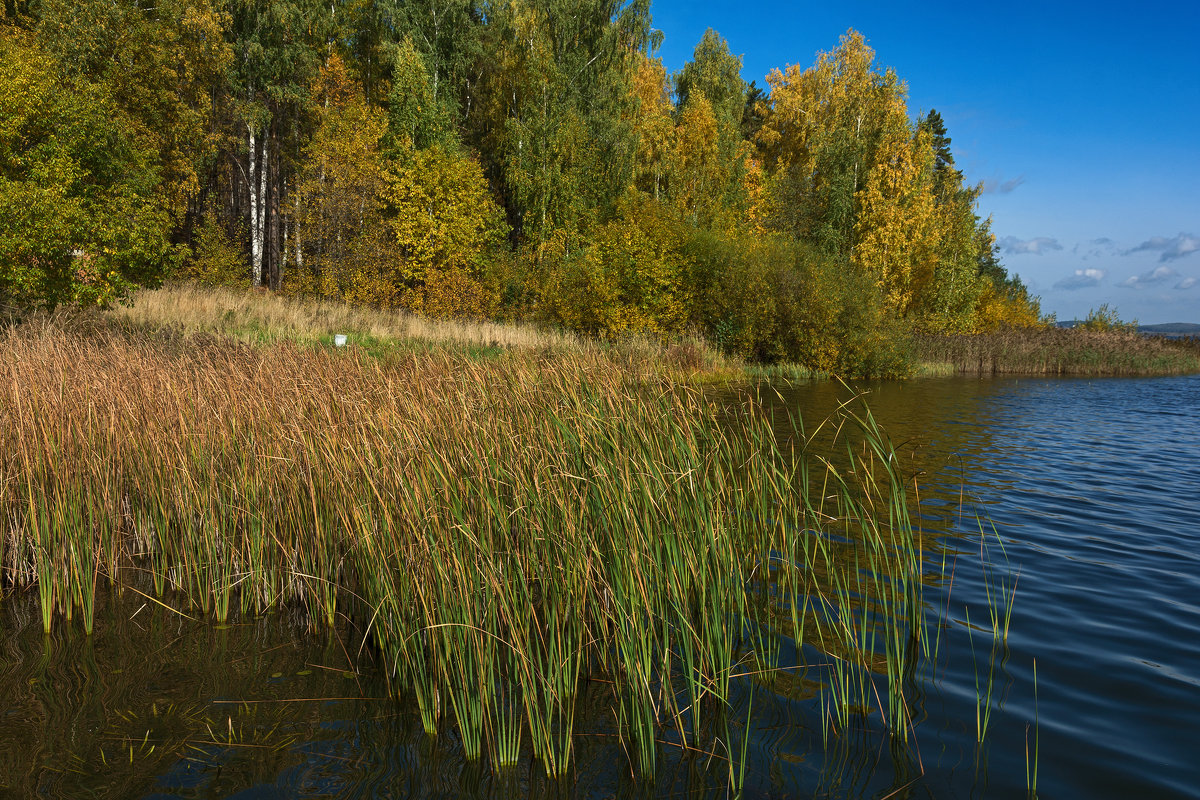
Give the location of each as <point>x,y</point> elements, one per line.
<point>528,159</point>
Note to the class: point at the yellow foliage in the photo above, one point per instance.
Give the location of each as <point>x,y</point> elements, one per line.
<point>452,293</point>
<point>628,279</point>
<point>853,176</point>
<point>897,227</point>
<point>697,175</point>
<point>335,200</point>
<point>835,95</point>
<point>652,125</point>
<point>997,310</point>
<point>947,303</point>
<point>412,232</point>
<point>441,213</point>
<point>758,205</point>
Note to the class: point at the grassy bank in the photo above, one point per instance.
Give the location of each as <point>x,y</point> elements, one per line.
<point>1055,351</point>
<point>505,528</point>
<point>260,316</point>
<point>265,317</point>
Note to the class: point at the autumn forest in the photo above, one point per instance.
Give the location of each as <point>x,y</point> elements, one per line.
<point>523,160</point>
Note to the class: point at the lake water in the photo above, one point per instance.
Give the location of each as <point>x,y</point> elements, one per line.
<point>1093,488</point>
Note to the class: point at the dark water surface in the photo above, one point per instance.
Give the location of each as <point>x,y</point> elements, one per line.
<point>1093,487</point>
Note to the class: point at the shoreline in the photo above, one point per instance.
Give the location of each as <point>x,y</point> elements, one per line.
<point>263,319</point>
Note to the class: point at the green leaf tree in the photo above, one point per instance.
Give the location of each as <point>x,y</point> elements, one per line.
<point>415,117</point>
<point>84,221</point>
<point>552,110</point>
<point>714,75</point>
<point>160,64</point>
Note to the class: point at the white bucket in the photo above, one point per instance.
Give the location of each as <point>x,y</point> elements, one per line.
<point>339,340</point>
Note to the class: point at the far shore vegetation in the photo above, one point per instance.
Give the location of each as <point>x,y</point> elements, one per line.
<point>1056,351</point>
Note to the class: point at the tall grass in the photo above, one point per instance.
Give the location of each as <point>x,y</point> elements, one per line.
<point>264,316</point>
<point>506,528</point>
<point>1055,351</point>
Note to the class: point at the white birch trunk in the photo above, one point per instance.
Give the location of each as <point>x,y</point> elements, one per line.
<point>256,241</point>
<point>264,168</point>
<point>296,232</point>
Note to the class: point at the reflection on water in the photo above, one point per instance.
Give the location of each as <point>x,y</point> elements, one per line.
<point>154,702</point>
<point>1093,486</point>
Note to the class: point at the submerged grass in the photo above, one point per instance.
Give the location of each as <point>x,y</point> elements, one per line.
<point>506,528</point>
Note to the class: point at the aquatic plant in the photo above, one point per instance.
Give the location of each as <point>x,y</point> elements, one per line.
<point>505,530</point>
<point>1055,351</point>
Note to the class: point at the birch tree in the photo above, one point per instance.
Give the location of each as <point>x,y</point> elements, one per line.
<point>276,54</point>
<point>550,115</point>
<point>820,138</point>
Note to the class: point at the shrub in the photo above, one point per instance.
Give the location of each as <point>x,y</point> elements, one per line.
<point>217,259</point>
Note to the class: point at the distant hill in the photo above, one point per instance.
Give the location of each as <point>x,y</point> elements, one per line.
<point>1171,330</point>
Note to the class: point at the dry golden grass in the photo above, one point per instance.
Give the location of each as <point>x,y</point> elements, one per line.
<point>258,317</point>
<point>255,316</point>
<point>1054,351</point>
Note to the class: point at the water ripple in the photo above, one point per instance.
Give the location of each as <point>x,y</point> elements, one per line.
<point>1094,486</point>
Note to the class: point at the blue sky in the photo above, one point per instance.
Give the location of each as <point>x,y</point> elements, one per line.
<point>1081,119</point>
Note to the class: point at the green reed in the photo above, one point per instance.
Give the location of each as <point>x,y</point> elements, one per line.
<point>1000,596</point>
<point>505,530</point>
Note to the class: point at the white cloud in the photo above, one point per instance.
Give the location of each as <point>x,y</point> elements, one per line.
<point>1154,276</point>
<point>1082,279</point>
<point>1096,248</point>
<point>1187,283</point>
<point>997,186</point>
<point>1176,247</point>
<point>1037,246</point>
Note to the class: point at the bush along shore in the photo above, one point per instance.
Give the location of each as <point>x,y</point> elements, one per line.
<point>503,529</point>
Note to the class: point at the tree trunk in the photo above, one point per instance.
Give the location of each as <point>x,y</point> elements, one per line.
<point>274,260</point>
<point>255,210</point>
<point>264,167</point>
<point>296,233</point>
